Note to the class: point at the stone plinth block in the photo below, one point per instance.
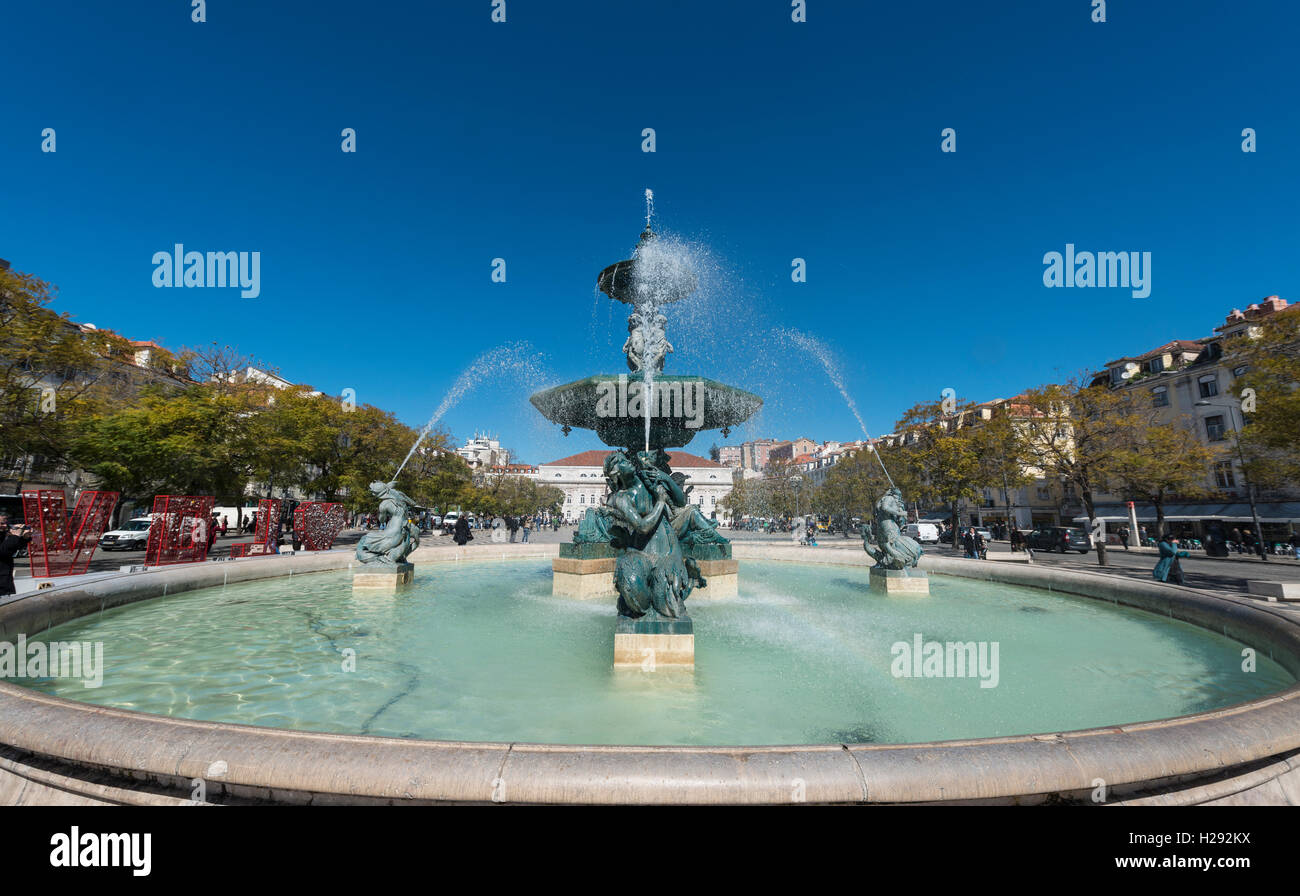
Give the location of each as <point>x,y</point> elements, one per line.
<point>1274,591</point>
<point>389,578</point>
<point>653,644</point>
<point>582,579</point>
<point>899,581</point>
<point>597,550</point>
<point>722,576</point>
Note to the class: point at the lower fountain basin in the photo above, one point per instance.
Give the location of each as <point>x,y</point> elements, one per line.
<point>56,749</point>
<point>484,652</point>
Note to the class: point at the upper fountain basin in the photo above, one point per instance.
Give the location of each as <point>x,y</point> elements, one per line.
<point>613,406</point>
<point>651,276</point>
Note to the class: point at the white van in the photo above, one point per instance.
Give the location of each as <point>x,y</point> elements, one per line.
<point>925,533</point>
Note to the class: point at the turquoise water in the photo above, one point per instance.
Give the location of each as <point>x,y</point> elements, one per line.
<point>482,652</point>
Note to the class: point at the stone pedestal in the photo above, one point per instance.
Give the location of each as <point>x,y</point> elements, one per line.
<point>388,579</point>
<point>654,644</point>
<point>722,576</point>
<point>899,581</point>
<point>583,571</point>
<point>583,579</point>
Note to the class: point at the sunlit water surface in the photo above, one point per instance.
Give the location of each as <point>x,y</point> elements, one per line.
<point>483,652</point>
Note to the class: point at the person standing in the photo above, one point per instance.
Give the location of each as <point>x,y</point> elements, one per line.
<point>225,525</point>
<point>981,546</point>
<point>11,542</point>
<point>462,533</point>
<point>968,541</point>
<point>1295,544</point>
<point>527,527</point>
<point>1168,569</point>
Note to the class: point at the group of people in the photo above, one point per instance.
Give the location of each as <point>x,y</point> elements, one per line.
<point>1125,534</point>
<point>519,528</point>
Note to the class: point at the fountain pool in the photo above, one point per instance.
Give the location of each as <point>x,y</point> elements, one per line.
<point>482,651</point>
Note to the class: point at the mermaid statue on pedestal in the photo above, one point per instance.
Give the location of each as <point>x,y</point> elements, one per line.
<point>650,574</point>
<point>884,540</point>
<point>390,545</point>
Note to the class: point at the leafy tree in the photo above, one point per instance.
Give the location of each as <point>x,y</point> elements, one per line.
<point>1074,431</point>
<point>1153,461</point>
<point>53,374</point>
<point>944,453</point>
<point>1003,449</point>
<point>1270,394</point>
<point>196,442</point>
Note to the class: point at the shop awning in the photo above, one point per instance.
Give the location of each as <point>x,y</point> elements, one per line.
<point>1269,512</point>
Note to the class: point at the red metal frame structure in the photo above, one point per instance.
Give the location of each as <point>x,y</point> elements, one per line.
<point>179,532</point>
<point>63,545</point>
<point>318,523</point>
<point>266,537</point>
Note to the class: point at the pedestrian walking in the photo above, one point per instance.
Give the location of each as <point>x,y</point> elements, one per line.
<point>11,542</point>
<point>462,533</point>
<point>968,541</point>
<point>1168,569</point>
<point>981,546</point>
<point>1295,544</point>
<point>1123,536</point>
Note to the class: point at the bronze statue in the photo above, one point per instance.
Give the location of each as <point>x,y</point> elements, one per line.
<point>884,540</point>
<point>650,574</point>
<point>391,544</point>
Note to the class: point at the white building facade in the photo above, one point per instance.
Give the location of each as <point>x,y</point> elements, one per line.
<point>582,479</point>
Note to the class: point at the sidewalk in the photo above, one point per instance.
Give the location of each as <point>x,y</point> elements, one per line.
<point>1201,555</point>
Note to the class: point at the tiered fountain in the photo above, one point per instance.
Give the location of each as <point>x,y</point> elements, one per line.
<point>648,544</point>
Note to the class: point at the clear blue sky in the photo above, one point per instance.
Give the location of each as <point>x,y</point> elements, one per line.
<point>775,140</point>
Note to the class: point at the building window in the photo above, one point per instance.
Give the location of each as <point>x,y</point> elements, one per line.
<point>1116,375</point>
<point>1155,365</point>
<point>1224,476</point>
<point>1214,428</point>
<point>1209,387</point>
<point>1160,397</point>
<point>1239,371</point>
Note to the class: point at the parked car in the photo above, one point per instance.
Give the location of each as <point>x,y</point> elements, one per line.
<point>1059,538</point>
<point>134,536</point>
<point>925,533</point>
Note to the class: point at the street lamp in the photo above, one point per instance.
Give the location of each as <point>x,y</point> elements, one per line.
<point>798,494</point>
<point>1245,477</point>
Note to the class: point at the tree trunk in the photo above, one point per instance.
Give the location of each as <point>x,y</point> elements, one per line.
<point>956,518</point>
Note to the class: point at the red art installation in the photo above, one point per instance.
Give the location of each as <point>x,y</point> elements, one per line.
<point>181,529</point>
<point>63,545</point>
<point>317,523</point>
<point>266,536</point>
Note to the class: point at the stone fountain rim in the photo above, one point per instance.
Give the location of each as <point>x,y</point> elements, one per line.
<point>54,748</point>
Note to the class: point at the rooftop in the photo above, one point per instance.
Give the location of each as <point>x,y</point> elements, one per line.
<point>596,458</point>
